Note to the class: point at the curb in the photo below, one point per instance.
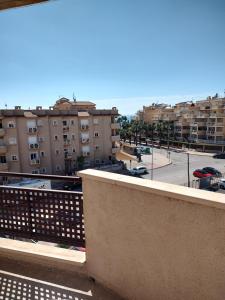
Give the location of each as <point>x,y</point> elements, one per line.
<point>201,154</point>
<point>170,163</point>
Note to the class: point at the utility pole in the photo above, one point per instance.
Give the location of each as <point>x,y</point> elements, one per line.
<point>188,166</point>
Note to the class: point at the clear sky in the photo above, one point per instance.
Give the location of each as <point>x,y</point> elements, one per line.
<point>124,53</point>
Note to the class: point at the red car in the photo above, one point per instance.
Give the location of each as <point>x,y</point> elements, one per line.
<point>201,173</point>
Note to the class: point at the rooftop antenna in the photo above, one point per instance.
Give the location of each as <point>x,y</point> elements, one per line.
<point>74,98</point>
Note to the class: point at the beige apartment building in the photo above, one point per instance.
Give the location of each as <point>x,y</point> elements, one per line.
<point>201,121</point>
<point>56,140</point>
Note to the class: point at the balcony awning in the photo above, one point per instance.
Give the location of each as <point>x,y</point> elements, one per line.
<point>83,114</point>
<point>28,114</point>
<point>5,4</point>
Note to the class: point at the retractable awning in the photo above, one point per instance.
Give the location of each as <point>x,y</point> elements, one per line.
<point>5,4</point>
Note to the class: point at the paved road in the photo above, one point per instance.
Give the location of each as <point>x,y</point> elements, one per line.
<point>177,172</point>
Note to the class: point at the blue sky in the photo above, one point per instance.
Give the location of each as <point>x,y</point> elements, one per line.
<point>124,53</point>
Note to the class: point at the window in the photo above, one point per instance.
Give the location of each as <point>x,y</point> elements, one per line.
<point>34,155</point>
<point>14,157</point>
<point>73,136</point>
<point>72,122</point>
<point>42,154</point>
<point>65,137</point>
<point>95,121</point>
<point>11,124</point>
<point>2,159</point>
<point>64,123</point>
<point>96,147</point>
<point>97,161</point>
<point>56,137</point>
<point>35,171</point>
<point>96,134</point>
<point>58,168</point>
<point>73,150</point>
<point>57,152</point>
<point>43,170</point>
<point>54,122</point>
<point>12,141</point>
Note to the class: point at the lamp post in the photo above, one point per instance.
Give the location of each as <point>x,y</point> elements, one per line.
<point>188,166</point>
<point>152,163</point>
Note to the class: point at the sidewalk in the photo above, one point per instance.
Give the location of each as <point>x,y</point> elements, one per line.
<point>192,152</point>
<point>159,160</point>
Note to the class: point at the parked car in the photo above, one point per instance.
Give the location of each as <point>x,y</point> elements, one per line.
<point>221,183</point>
<point>199,173</point>
<point>213,171</point>
<point>138,171</point>
<point>219,155</point>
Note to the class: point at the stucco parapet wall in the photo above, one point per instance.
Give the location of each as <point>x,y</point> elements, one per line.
<point>48,255</point>
<point>48,112</point>
<point>158,188</point>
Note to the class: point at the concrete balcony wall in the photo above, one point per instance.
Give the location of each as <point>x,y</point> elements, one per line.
<point>4,167</point>
<point>2,132</point>
<point>152,240</point>
<point>3,149</point>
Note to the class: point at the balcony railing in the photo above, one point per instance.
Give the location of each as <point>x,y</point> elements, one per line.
<point>44,215</point>
<point>2,132</point>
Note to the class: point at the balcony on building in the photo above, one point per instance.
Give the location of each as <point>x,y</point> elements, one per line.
<point>85,153</point>
<point>3,148</point>
<point>66,142</point>
<point>32,130</point>
<point>84,140</point>
<point>115,138</point>
<point>34,146</point>
<point>84,127</point>
<point>172,237</point>
<point>2,132</point>
<point>66,128</point>
<point>35,161</point>
<point>4,167</point>
<point>68,155</point>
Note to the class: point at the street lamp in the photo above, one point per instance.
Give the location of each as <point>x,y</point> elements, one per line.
<point>188,166</point>
<point>152,163</point>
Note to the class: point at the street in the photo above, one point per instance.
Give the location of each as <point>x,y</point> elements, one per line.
<point>177,172</point>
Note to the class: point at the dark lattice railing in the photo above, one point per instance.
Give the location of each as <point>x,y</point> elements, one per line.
<point>44,215</point>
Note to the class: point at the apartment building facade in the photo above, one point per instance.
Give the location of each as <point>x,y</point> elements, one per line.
<point>57,140</point>
<point>201,121</point>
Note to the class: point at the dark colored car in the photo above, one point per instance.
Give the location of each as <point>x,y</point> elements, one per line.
<point>219,155</point>
<point>201,173</point>
<point>213,171</point>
